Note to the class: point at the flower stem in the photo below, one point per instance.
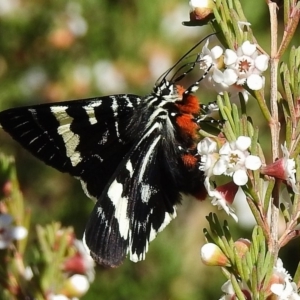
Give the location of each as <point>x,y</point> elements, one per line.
<point>274,124</point>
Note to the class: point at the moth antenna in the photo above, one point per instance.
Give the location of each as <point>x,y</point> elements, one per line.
<point>193,64</point>
<point>163,77</point>
<point>194,87</point>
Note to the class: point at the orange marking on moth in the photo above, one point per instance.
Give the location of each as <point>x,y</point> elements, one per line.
<point>189,160</point>
<point>187,125</point>
<point>189,103</point>
<point>180,90</point>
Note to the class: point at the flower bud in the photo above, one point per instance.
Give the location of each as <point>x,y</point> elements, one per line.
<point>212,255</point>
<point>75,286</point>
<point>275,169</point>
<point>201,9</point>
<point>242,246</point>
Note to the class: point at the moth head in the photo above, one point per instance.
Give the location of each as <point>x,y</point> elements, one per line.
<point>168,91</point>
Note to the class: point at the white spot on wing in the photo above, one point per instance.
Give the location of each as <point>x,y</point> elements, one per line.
<point>121,204</point>
<point>90,110</point>
<point>135,258</point>
<point>83,185</point>
<point>168,218</point>
<point>114,107</point>
<point>129,168</point>
<point>152,235</point>
<point>147,158</point>
<point>146,192</point>
<point>70,139</point>
<point>129,104</point>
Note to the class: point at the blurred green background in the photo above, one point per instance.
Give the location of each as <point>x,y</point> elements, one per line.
<point>57,50</point>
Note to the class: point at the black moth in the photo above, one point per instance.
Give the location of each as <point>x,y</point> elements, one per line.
<point>135,156</point>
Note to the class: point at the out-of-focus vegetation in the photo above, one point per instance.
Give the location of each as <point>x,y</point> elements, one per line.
<point>58,50</point>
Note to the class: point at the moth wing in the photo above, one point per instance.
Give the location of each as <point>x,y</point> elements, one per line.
<point>137,203</point>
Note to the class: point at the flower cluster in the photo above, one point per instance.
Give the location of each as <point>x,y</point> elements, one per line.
<point>232,159</point>
<point>231,70</point>
<point>280,287</point>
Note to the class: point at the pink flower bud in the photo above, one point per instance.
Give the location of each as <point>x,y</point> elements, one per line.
<point>242,246</point>
<point>212,255</point>
<point>275,169</point>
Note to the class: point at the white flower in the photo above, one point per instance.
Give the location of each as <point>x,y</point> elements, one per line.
<point>211,58</point>
<point>73,288</point>
<point>8,233</point>
<point>208,149</point>
<point>235,160</point>
<point>289,167</point>
<point>280,271</point>
<point>219,78</point>
<point>223,196</point>
<point>79,283</point>
<point>228,289</point>
<point>285,289</point>
<point>247,64</point>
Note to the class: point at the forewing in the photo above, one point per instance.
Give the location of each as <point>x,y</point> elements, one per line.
<point>137,204</point>
<point>77,136</point>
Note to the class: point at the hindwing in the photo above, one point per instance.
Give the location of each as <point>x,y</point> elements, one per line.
<point>138,202</point>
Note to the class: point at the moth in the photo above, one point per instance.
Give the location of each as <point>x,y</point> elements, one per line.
<point>134,155</point>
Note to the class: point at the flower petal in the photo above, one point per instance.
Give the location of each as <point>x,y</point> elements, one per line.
<point>225,149</point>
<point>248,48</point>
<point>218,76</point>
<point>252,162</point>
<point>207,146</point>
<point>261,62</point>
<point>230,76</point>
<point>240,177</point>
<point>216,52</point>
<point>255,82</point>
<point>220,167</point>
<point>243,143</point>
<point>230,57</point>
